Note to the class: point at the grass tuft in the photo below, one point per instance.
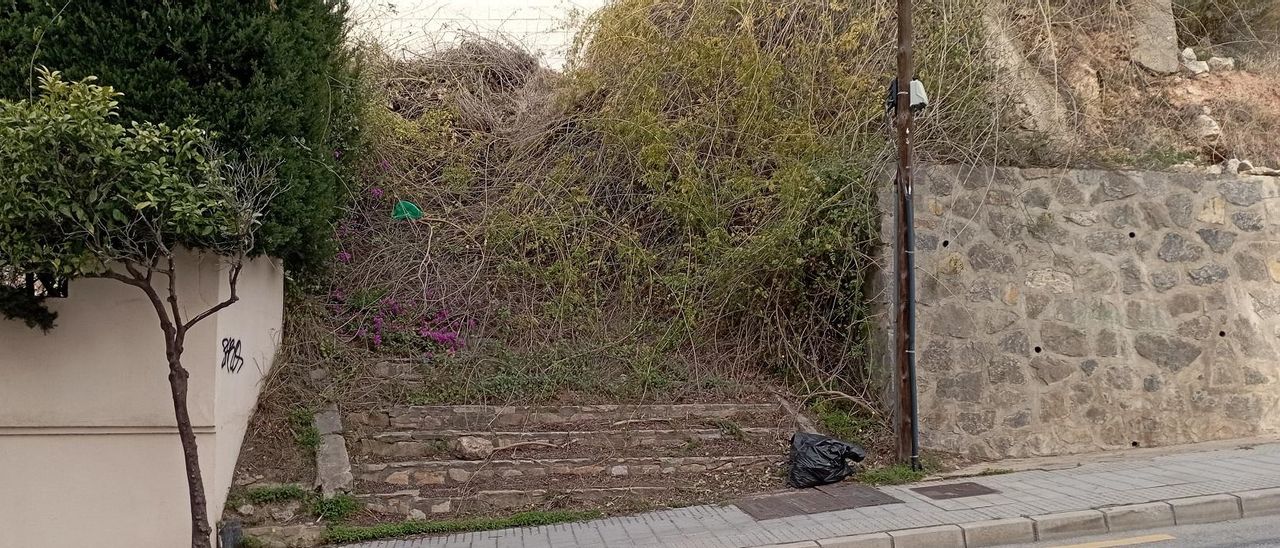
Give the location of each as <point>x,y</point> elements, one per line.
<point>304,429</point>
<point>352,533</point>
<point>896,474</point>
<point>273,493</point>
<point>335,509</point>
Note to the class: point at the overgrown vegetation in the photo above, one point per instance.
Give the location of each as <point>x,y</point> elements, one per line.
<point>1239,26</point>
<point>271,78</point>
<point>355,533</point>
<point>842,422</point>
<point>689,208</point>
<point>1117,114</point>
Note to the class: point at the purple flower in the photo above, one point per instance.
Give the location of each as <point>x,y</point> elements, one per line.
<point>337,153</point>
<point>344,257</point>
<point>376,193</point>
<point>362,333</point>
<point>377,340</point>
<point>385,165</point>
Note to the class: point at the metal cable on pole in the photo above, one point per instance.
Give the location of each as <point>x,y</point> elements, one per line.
<point>907,427</point>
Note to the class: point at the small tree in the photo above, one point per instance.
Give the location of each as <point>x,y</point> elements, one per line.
<point>83,196</point>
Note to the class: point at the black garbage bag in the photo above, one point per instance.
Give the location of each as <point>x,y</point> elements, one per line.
<point>819,460</point>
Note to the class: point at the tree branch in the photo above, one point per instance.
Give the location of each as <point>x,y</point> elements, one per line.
<point>139,281</point>
<point>172,272</point>
<point>233,279</point>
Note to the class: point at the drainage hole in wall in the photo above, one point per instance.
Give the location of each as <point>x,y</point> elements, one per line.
<point>1038,350</point>
<point>1133,234</point>
<point>1222,333</point>
<point>946,243</point>
<point>1133,444</point>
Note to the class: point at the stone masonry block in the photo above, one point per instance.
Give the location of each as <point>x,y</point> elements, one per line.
<point>802,544</point>
<point>1070,524</point>
<point>941,536</point>
<point>875,540</point>
<point>1262,502</point>
<point>333,465</point>
<point>1139,516</point>
<point>329,421</point>
<point>998,531</point>
<point>1206,509</point>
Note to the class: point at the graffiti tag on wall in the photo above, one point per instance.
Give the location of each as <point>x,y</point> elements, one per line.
<point>231,360</point>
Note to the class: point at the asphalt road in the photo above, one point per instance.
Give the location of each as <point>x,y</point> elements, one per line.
<point>1263,531</point>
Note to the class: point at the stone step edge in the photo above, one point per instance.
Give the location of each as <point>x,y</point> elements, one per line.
<point>482,417</point>
<point>427,435</point>
<point>1065,525</point>
<point>594,408</point>
<point>497,463</point>
<point>515,497</point>
<point>454,473</point>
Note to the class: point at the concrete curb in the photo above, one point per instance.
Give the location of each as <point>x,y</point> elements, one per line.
<point>1065,525</point>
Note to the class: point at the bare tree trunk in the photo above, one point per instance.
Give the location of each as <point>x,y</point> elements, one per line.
<point>200,529</point>
<point>175,334</point>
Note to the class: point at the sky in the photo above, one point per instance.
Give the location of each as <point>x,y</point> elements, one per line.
<point>543,26</point>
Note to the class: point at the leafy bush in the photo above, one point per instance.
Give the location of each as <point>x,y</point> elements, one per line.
<point>108,190</point>
<point>268,77</point>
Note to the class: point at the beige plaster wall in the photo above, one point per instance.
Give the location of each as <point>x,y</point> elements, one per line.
<point>89,455</point>
<point>255,322</point>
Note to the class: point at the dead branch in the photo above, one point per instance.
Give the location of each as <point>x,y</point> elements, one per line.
<point>638,421</point>
<point>841,395</point>
<point>532,444</point>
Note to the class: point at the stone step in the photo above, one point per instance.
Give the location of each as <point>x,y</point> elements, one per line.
<point>382,477</point>
<point>415,505</point>
<point>619,493</point>
<point>430,443</point>
<point>485,417</point>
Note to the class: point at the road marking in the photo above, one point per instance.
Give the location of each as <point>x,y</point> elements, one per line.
<point>1121,542</point>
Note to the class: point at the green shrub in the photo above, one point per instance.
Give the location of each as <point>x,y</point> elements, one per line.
<point>302,422</point>
<point>269,77</point>
<point>336,508</point>
<point>272,493</point>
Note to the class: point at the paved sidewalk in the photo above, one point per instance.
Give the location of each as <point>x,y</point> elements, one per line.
<point>1034,493</point>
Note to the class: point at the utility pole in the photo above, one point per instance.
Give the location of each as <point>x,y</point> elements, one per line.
<point>907,427</point>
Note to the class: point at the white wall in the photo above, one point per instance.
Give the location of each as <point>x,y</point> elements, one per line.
<point>89,454</point>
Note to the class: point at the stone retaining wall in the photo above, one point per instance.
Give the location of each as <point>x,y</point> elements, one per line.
<point>1070,311</point>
